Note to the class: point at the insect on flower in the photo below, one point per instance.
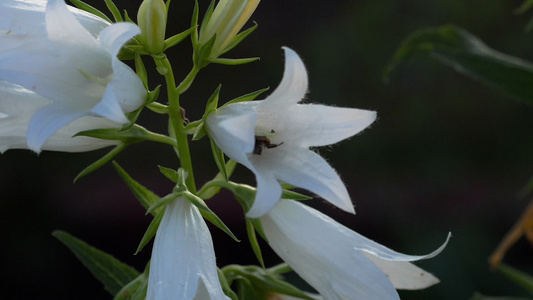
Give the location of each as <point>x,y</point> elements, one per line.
<point>262,142</point>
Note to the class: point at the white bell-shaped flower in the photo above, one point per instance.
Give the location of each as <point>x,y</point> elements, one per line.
<point>272,138</point>
<point>338,262</point>
<point>183,259</point>
<point>70,58</point>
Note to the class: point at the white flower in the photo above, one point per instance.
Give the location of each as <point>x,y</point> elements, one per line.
<point>183,259</point>
<point>18,105</point>
<point>69,58</point>
<point>272,138</point>
<point>338,262</point>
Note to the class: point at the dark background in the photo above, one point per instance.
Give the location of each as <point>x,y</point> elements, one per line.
<point>446,153</point>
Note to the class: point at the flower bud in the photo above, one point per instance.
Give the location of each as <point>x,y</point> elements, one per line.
<point>152,19</point>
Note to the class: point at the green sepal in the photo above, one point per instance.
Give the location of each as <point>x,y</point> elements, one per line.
<point>261,281</point>
<point>226,288</point>
<point>467,54</point>
<point>128,136</point>
<point>208,214</point>
<point>211,106</point>
<point>191,128</point>
<point>208,191</point>
<point>176,39</point>
<point>248,97</point>
<point>194,25</point>
<point>169,173</point>
<point>220,161</point>
<point>135,290</point>
<point>158,108</point>
<point>202,55</point>
<point>161,202</point>
<point>233,61</point>
<point>252,238</point>
<point>140,69</point>
<point>114,10</point>
<point>144,195</point>
<point>258,226</point>
<point>88,8</point>
<point>150,231</point>
<point>113,273</point>
<point>127,17</point>
<point>100,162</point>
<point>207,17</point>
<point>520,278</point>
<point>239,38</point>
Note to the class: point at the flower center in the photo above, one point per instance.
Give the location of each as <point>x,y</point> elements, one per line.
<point>262,142</point>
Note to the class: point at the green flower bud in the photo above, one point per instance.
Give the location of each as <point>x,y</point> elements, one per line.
<point>152,19</point>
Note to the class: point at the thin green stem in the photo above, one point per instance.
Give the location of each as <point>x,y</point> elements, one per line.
<point>176,119</point>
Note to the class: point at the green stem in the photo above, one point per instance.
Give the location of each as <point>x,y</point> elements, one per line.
<point>176,119</point>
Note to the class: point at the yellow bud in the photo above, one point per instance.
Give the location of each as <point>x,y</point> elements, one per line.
<point>152,19</point>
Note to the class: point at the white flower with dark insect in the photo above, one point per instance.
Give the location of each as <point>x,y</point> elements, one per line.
<point>272,138</point>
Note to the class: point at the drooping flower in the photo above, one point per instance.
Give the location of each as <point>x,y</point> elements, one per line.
<point>70,58</point>
<point>183,259</point>
<point>227,20</point>
<point>18,105</point>
<point>338,262</point>
<point>272,138</point>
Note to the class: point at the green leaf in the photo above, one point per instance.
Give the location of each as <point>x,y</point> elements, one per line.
<point>141,70</point>
<point>226,288</point>
<point>522,279</point>
<point>88,8</point>
<point>194,25</point>
<point>252,238</point>
<point>526,5</point>
<point>114,10</point>
<point>102,161</point>
<point>150,231</point>
<point>145,196</point>
<point>107,269</point>
<point>467,54</point>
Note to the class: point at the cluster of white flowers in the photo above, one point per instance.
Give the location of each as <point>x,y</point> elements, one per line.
<point>59,74</point>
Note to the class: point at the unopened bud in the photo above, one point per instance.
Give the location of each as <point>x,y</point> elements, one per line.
<point>152,19</point>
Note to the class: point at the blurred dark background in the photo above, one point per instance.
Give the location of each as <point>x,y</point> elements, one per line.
<point>446,153</point>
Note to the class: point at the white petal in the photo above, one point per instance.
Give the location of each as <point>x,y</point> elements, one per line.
<point>322,254</point>
<point>183,259</point>
<point>109,107</point>
<point>18,105</point>
<point>127,87</point>
<point>48,120</point>
<point>62,25</point>
<point>335,259</point>
<point>114,37</point>
<point>320,125</point>
<point>308,170</point>
<point>25,17</point>
<point>268,194</point>
<point>294,83</point>
<point>232,129</point>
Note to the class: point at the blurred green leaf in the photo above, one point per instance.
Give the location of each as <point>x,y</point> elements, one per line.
<point>252,238</point>
<point>88,8</point>
<point>467,54</point>
<point>478,296</point>
<point>135,290</point>
<point>522,279</point>
<point>110,271</point>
